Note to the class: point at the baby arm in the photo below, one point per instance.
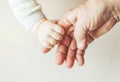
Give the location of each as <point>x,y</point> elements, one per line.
<point>30,15</point>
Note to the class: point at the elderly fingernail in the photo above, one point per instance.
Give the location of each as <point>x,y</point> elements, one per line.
<point>60,58</point>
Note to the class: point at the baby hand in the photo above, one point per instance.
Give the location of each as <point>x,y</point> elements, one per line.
<point>49,34</point>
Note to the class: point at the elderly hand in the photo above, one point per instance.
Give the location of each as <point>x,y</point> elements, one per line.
<point>89,21</point>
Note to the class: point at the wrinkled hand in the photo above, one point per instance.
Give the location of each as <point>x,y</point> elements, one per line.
<point>67,50</point>
<point>89,21</point>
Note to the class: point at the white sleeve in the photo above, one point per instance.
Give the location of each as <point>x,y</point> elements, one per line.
<point>28,12</point>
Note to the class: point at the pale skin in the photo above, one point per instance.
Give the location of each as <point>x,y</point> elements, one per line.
<point>76,30</point>
<point>87,22</point>
<point>49,34</point>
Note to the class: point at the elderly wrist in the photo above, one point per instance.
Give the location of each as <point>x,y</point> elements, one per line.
<point>115,9</point>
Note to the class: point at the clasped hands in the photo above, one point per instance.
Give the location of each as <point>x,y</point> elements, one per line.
<point>76,30</point>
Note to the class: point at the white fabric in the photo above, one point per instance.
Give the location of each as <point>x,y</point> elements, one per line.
<point>28,12</point>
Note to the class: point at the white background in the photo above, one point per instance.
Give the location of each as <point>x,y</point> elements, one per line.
<point>20,60</point>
